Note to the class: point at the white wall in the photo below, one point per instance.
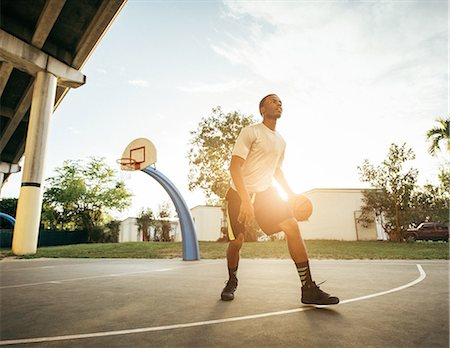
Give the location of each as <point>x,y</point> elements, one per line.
<point>128,231</point>
<point>333,217</point>
<point>208,222</point>
<point>335,213</point>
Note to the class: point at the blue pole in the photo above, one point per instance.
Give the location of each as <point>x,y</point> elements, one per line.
<point>191,250</point>
<point>8,218</point>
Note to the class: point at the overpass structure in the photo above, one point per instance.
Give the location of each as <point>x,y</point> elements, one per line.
<point>43,47</point>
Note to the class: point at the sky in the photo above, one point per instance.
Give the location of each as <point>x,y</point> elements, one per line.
<point>354,77</point>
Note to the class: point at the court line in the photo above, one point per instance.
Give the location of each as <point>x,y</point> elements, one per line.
<point>58,281</point>
<point>6,267</point>
<point>422,276</point>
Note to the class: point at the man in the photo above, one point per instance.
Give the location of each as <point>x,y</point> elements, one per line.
<point>256,160</point>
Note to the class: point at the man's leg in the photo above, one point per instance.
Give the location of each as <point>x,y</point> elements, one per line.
<point>234,247</point>
<point>296,245</point>
<point>311,294</point>
<point>236,232</point>
<point>297,249</point>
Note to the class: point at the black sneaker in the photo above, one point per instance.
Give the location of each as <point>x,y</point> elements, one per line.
<point>228,290</point>
<point>311,294</point>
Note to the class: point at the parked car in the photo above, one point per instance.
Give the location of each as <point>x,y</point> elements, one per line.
<point>427,231</point>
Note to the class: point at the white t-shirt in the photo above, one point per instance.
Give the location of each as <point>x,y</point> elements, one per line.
<point>263,152</point>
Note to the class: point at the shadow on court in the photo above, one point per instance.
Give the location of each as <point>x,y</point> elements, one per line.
<point>173,303</point>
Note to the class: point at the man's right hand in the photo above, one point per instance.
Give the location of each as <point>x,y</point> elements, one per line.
<point>246,213</point>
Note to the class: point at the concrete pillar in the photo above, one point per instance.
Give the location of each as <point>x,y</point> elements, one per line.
<point>28,216</point>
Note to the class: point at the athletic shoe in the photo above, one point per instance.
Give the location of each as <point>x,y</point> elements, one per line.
<point>228,290</point>
<point>311,294</point>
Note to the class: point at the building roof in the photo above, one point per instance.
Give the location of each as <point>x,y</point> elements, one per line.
<point>336,189</point>
<point>206,206</point>
<point>65,30</point>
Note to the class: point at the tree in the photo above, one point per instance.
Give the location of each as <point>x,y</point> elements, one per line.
<point>8,206</point>
<point>112,231</point>
<point>82,194</point>
<point>437,134</point>
<point>162,224</point>
<point>210,151</point>
<point>432,203</point>
<point>394,185</point>
<point>53,220</point>
<point>210,155</point>
<point>145,219</point>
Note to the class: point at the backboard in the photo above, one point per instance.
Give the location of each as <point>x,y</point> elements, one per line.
<point>139,154</point>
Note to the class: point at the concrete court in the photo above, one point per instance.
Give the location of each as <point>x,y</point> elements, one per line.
<point>174,303</point>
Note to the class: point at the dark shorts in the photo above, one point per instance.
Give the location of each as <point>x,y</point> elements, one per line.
<point>270,211</point>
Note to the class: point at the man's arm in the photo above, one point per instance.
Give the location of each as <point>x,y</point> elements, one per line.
<point>246,213</point>
<point>279,176</point>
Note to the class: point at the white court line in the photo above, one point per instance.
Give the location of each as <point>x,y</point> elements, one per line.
<point>84,278</point>
<point>421,277</point>
<point>414,282</point>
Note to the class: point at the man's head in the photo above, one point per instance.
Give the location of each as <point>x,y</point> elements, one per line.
<point>270,106</point>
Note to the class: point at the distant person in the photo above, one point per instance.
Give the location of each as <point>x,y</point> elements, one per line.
<point>256,159</point>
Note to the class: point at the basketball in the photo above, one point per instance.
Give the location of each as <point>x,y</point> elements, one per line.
<point>302,208</point>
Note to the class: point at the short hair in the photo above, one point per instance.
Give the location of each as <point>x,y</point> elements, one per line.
<point>261,103</point>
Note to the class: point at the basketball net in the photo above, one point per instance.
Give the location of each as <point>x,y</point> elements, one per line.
<point>125,174</point>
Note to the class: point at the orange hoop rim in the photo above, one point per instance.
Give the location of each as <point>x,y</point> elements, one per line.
<point>129,163</point>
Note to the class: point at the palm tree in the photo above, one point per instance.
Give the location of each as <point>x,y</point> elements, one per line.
<point>438,133</point>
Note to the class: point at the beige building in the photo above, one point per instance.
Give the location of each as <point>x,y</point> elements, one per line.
<point>335,216</point>
<point>129,232</point>
<point>208,221</point>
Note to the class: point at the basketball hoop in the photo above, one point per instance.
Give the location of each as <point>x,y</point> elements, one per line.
<point>138,154</point>
<point>128,164</point>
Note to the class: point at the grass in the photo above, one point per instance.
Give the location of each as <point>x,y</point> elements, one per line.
<point>318,249</point>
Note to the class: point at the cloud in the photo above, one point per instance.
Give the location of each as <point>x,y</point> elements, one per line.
<point>139,83</point>
<point>220,87</point>
<point>330,39</point>
<point>346,53</point>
